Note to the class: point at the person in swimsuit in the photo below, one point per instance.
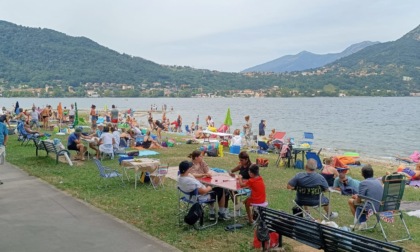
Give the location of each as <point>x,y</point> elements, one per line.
<point>149,143</point>
<point>329,172</point>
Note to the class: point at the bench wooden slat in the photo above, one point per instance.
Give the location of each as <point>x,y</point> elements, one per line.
<point>49,147</point>
<point>320,236</point>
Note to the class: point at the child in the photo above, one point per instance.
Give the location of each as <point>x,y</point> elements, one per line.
<point>257,187</point>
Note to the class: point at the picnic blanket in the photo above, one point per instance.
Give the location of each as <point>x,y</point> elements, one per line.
<point>415,183</point>
<point>143,153</point>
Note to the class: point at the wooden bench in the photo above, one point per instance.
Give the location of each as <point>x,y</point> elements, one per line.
<point>318,235</point>
<point>49,147</point>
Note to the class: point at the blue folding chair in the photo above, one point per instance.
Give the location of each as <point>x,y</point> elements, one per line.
<point>107,173</point>
<point>315,156</point>
<point>186,200</point>
<point>25,136</point>
<point>308,138</point>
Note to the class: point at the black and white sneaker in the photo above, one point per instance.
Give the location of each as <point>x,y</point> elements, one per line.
<point>212,216</point>
<point>223,216</point>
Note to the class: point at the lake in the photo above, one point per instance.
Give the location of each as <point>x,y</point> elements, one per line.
<point>376,127</point>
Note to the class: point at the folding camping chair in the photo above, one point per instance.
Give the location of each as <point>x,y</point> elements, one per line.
<point>186,200</point>
<point>158,176</point>
<point>389,205</point>
<point>315,156</point>
<point>106,173</point>
<point>25,136</point>
<point>305,196</point>
<point>308,138</point>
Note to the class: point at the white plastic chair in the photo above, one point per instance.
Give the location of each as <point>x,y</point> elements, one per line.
<point>158,176</point>
<point>106,149</point>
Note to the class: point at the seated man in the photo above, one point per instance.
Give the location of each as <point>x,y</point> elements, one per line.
<point>310,179</point>
<point>370,187</point>
<point>74,143</point>
<point>188,183</point>
<point>346,184</point>
<point>31,132</point>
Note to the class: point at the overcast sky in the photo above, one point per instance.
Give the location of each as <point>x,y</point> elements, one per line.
<point>224,35</point>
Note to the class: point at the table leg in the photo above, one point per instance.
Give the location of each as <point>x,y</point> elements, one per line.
<point>303,159</point>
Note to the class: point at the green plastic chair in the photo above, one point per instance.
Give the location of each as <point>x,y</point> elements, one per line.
<point>389,207</point>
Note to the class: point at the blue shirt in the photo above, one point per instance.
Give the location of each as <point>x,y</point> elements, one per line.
<point>72,138</point>
<point>354,183</point>
<point>371,188</point>
<point>3,133</point>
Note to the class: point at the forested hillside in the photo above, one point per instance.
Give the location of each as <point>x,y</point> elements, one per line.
<point>35,57</point>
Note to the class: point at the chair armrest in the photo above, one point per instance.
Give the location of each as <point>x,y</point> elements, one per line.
<point>368,198</point>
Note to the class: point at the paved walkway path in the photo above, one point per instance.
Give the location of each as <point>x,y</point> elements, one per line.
<point>34,216</point>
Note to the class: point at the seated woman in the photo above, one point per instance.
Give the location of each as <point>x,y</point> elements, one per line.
<point>149,143</point>
<point>236,139</point>
<point>106,142</point>
<point>329,172</point>
<point>199,133</point>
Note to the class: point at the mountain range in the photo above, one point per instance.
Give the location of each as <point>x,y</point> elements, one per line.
<point>306,60</point>
<point>36,57</point>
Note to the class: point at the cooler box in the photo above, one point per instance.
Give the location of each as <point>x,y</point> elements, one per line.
<point>235,149</point>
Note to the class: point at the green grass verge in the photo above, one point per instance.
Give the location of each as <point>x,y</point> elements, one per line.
<point>155,211</point>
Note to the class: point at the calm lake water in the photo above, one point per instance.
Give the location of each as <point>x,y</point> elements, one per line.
<point>377,127</point>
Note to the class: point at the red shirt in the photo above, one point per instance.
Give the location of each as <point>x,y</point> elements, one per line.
<point>257,187</point>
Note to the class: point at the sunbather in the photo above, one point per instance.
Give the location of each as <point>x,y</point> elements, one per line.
<point>408,172</point>
<point>413,158</point>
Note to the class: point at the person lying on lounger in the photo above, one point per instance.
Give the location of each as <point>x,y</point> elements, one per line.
<point>408,172</point>
<point>413,158</point>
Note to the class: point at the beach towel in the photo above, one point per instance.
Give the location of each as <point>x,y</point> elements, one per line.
<point>415,183</point>
<point>147,153</point>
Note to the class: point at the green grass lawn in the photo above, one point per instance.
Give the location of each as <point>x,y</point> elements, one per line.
<point>155,211</point>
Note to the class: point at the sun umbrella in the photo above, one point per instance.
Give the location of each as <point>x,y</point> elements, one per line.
<point>76,116</point>
<point>228,119</point>
<point>60,113</point>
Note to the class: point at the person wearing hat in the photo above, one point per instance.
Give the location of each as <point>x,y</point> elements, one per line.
<point>74,143</point>
<point>189,183</point>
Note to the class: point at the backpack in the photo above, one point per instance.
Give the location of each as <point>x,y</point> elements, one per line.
<point>194,214</point>
<point>262,162</point>
<point>212,153</point>
<point>263,233</point>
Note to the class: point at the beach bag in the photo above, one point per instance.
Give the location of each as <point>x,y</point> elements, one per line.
<point>212,152</point>
<point>274,241</point>
<point>263,235</point>
<point>299,164</point>
<point>133,153</point>
<point>164,144</point>
<point>262,162</point>
<point>194,214</point>
<point>347,190</point>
